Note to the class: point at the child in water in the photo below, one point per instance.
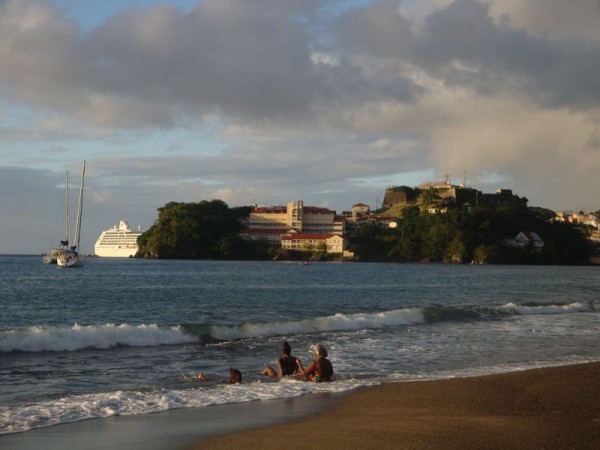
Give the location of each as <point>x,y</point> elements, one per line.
<point>235,376</point>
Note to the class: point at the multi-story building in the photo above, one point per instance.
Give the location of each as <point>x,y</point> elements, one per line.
<point>333,243</point>
<point>273,222</point>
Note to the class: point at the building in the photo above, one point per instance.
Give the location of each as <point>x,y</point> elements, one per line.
<point>360,210</point>
<point>353,224</point>
<point>332,243</point>
<point>582,218</point>
<point>447,194</point>
<point>526,238</point>
<point>271,223</point>
<point>437,209</point>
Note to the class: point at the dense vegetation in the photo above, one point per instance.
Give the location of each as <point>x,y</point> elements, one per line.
<point>478,235</point>
<point>210,230</point>
<point>205,230</point>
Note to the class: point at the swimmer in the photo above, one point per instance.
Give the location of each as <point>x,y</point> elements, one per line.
<point>286,364</point>
<point>235,376</point>
<point>320,369</point>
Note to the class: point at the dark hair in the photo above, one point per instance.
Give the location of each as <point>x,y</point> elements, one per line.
<point>236,375</point>
<point>286,348</point>
<point>320,350</point>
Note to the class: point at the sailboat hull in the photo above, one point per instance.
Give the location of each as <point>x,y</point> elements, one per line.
<point>50,258</point>
<point>69,260</point>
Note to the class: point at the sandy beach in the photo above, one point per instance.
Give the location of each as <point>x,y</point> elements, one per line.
<point>549,408</point>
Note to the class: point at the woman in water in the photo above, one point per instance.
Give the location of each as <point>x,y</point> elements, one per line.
<point>320,369</point>
<point>286,364</point>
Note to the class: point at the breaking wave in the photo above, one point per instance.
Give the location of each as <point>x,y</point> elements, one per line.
<point>524,310</point>
<point>337,322</point>
<point>79,337</point>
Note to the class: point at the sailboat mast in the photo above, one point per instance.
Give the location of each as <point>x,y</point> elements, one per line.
<point>79,208</point>
<point>67,218</point>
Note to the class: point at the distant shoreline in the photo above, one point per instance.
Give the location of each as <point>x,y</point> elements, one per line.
<point>588,264</point>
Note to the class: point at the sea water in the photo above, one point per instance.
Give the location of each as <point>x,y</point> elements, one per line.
<point>129,336</point>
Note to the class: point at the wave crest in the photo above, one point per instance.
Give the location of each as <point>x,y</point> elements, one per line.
<point>336,322</point>
<point>512,309</point>
<point>78,337</point>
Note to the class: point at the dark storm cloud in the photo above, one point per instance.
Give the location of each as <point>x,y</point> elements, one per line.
<point>465,47</point>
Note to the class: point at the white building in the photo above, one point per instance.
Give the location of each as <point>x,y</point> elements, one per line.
<point>273,222</point>
<point>333,243</point>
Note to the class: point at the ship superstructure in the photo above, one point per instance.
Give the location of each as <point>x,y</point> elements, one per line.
<point>118,242</point>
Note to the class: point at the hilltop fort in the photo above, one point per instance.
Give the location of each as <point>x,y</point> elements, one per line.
<point>443,194</point>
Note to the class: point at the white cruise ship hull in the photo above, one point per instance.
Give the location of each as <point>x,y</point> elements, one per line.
<point>117,242</point>
<point>115,252</point>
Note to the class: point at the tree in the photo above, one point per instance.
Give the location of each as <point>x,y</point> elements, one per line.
<point>485,254</point>
<point>192,231</point>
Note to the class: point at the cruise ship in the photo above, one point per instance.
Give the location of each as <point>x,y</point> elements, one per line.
<point>117,242</point>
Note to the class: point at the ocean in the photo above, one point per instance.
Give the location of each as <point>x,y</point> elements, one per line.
<point>129,336</point>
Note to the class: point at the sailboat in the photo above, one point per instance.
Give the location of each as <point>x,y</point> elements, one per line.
<point>69,256</point>
<point>51,257</point>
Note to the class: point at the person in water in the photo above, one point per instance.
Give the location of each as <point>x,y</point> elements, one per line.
<point>320,369</point>
<point>235,376</point>
<point>286,365</point>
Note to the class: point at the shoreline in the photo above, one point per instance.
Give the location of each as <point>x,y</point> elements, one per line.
<point>165,430</point>
<point>551,408</point>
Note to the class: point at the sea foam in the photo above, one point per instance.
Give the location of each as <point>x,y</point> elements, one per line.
<point>82,407</point>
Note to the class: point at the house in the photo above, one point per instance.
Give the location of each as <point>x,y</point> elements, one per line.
<point>528,238</point>
<point>437,209</point>
<point>354,223</point>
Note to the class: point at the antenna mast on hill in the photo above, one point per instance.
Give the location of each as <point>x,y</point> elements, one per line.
<point>465,179</point>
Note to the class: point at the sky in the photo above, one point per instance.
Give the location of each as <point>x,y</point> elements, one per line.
<point>267,101</point>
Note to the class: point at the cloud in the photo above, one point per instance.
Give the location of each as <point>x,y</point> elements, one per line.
<point>245,64</point>
<point>157,66</point>
<point>147,67</point>
<point>551,19</point>
<point>263,101</point>
<point>463,46</point>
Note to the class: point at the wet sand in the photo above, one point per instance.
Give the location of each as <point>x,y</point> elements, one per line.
<point>176,429</point>
<point>550,408</point>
